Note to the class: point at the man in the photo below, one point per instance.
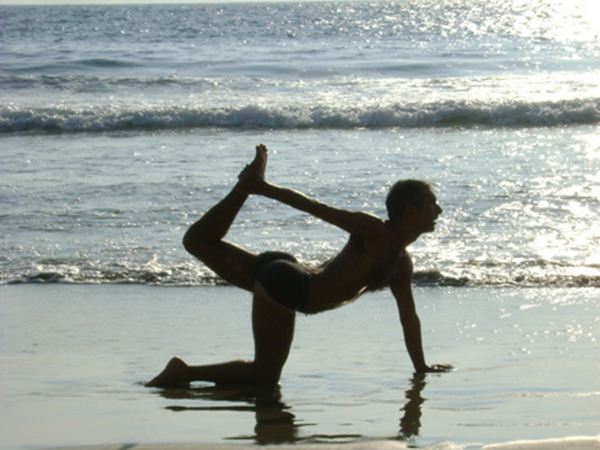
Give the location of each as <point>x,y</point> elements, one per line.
<point>374,257</point>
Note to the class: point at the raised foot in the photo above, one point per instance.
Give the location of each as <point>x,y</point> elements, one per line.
<point>259,163</point>
<point>175,373</point>
<point>254,173</point>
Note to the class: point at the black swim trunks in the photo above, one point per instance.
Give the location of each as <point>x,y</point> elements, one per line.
<point>284,278</point>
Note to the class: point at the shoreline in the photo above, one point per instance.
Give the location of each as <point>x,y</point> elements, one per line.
<point>571,443</point>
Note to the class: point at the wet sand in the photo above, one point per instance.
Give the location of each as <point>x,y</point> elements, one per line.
<point>72,360</point>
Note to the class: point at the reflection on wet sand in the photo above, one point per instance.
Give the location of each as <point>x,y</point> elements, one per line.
<point>410,422</point>
<point>275,424</point>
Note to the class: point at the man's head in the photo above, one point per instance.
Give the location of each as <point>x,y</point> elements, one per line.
<point>413,197</point>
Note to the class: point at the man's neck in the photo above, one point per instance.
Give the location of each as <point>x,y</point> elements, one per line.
<point>403,234</point>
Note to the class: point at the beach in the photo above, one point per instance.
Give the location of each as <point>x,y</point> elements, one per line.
<point>120,125</point>
<point>73,359</point>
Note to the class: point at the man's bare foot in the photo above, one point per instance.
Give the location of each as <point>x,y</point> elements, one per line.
<point>255,171</point>
<point>175,373</point>
<point>259,164</point>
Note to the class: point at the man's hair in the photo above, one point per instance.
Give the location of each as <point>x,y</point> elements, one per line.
<point>404,193</point>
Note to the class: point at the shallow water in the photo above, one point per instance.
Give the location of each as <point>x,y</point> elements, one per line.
<point>72,357</point>
<point>105,208</point>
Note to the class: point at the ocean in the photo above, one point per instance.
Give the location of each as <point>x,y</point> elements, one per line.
<point>120,125</point>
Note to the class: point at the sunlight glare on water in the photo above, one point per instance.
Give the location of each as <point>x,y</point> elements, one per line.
<point>573,21</point>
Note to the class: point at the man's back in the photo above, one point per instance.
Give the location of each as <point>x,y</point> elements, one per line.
<point>367,259</point>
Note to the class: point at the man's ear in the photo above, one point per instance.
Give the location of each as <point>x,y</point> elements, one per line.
<point>411,210</point>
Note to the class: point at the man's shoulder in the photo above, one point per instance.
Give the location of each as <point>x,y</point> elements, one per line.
<point>369,219</point>
<point>371,228</point>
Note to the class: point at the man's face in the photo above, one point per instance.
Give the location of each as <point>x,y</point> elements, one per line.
<point>428,212</point>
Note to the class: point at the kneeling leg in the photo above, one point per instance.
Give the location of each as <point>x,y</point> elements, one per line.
<point>273,330</point>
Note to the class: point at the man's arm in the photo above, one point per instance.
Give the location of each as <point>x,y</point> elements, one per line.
<point>356,223</point>
<point>252,181</point>
<point>411,325</point>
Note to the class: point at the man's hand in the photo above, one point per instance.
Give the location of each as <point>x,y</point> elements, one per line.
<point>436,368</point>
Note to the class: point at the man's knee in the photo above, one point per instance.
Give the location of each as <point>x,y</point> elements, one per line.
<point>196,244</point>
<point>191,245</point>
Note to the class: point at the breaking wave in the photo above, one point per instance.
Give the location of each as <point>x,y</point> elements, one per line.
<point>62,119</point>
<point>192,276</point>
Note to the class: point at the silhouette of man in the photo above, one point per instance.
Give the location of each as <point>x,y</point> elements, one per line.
<point>373,258</point>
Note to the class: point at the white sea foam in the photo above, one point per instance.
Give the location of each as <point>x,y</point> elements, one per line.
<point>293,117</point>
<point>569,443</point>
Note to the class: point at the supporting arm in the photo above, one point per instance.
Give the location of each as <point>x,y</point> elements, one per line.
<point>411,324</point>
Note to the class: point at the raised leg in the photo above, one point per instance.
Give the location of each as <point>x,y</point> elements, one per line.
<point>272,323</point>
<point>273,329</point>
<point>204,239</point>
